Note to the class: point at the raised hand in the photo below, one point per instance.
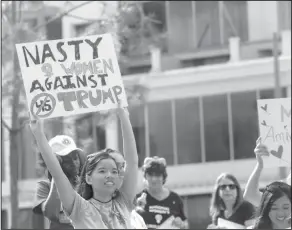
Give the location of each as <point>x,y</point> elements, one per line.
<point>260,150</point>
<point>37,127</point>
<point>141,201</point>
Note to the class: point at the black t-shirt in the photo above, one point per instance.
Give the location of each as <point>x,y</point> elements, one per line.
<point>156,212</point>
<point>243,213</point>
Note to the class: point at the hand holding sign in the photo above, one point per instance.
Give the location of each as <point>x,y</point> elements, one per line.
<point>260,151</point>
<point>37,127</point>
<point>275,131</point>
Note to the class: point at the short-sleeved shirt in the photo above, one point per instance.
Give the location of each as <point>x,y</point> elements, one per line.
<point>246,211</point>
<point>157,211</point>
<point>60,220</point>
<point>92,214</point>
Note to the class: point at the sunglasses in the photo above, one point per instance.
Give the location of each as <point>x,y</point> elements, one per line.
<point>230,186</point>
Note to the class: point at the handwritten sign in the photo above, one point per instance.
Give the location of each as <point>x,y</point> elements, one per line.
<point>229,224</point>
<point>71,76</point>
<point>275,130</point>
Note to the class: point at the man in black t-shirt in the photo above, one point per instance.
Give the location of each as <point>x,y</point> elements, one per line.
<point>156,204</point>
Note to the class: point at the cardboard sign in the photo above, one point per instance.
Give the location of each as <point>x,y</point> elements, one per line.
<point>229,224</point>
<point>71,76</point>
<point>275,130</point>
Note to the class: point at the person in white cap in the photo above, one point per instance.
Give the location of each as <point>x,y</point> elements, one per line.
<point>48,202</point>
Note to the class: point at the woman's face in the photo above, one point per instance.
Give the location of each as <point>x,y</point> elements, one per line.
<point>105,177</point>
<point>121,166</point>
<point>280,213</point>
<point>154,181</point>
<point>227,190</point>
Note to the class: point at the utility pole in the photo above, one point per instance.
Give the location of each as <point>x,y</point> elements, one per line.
<point>14,147</point>
<point>277,87</point>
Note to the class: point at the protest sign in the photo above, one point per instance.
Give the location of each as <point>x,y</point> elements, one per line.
<point>229,224</point>
<point>275,130</point>
<point>71,76</point>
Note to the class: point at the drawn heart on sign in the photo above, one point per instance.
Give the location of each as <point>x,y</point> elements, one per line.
<point>265,107</point>
<point>278,153</point>
<point>264,123</point>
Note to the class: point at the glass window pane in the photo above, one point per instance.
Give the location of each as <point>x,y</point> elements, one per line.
<point>207,24</point>
<point>216,128</point>
<point>188,130</point>
<point>160,130</point>
<point>269,93</point>
<point>4,219</point>
<point>245,124</point>
<point>84,131</point>
<point>198,217</point>
<point>2,155</point>
<point>138,123</point>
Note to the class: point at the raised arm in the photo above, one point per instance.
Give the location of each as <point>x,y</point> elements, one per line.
<point>65,190</point>
<point>130,150</point>
<point>252,193</point>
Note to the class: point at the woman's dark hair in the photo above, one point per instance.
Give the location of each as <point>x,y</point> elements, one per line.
<point>155,166</point>
<point>85,190</point>
<point>271,193</point>
<point>217,204</point>
<point>67,165</point>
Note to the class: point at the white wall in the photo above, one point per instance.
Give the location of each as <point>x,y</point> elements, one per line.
<point>262,19</point>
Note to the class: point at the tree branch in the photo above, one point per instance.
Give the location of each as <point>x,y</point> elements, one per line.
<point>51,20</point>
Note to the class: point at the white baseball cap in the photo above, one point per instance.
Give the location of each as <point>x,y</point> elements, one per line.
<point>62,145</point>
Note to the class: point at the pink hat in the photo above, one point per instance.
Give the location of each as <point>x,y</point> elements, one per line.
<point>62,145</point>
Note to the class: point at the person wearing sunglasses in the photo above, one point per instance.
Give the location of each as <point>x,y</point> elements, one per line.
<point>47,202</point>
<point>227,203</point>
<point>156,203</point>
<point>274,211</point>
<point>251,192</point>
<point>99,202</point>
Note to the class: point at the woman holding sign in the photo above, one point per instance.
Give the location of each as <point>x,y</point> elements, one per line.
<point>252,193</point>
<point>227,203</point>
<point>101,204</point>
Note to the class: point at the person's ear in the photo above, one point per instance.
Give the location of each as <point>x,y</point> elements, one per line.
<point>88,179</point>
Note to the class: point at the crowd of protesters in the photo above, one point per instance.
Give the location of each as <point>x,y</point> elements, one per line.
<point>99,190</point>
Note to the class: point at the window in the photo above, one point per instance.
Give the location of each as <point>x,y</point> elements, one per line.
<point>269,93</point>
<point>180,23</point>
<point>188,130</point>
<point>216,128</point>
<point>4,219</point>
<point>80,29</point>
<point>284,12</point>
<point>132,45</point>
<point>235,20</point>
<point>207,23</point>
<point>138,123</point>
<point>160,130</point>
<point>54,29</point>
<point>198,211</point>
<point>85,133</point>
<point>2,155</point>
<point>209,15</point>
<point>245,124</point>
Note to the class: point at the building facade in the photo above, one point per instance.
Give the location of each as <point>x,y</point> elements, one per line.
<point>202,84</point>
